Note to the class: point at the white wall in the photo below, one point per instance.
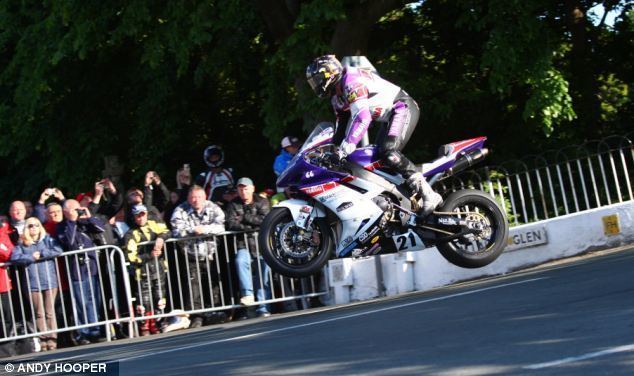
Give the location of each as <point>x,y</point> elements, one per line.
<point>356,279</point>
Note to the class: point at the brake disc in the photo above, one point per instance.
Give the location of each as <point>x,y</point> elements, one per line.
<point>480,223</point>
<point>295,242</point>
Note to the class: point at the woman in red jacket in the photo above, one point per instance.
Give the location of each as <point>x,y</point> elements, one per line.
<point>6,247</point>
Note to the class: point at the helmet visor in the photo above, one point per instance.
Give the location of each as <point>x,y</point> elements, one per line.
<point>315,81</point>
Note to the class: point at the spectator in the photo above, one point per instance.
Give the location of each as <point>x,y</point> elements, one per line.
<point>74,233</point>
<point>149,265</point>
<point>199,216</point>
<point>42,277</point>
<point>54,216</point>
<point>218,180</point>
<point>183,182</point>
<point>28,206</point>
<point>119,226</point>
<point>17,216</point>
<point>247,213</point>
<point>104,205</point>
<point>48,197</point>
<point>84,199</point>
<point>134,196</point>
<point>6,247</point>
<point>107,200</point>
<point>170,207</point>
<point>290,146</point>
<point>155,191</point>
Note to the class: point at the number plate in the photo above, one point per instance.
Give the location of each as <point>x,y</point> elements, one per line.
<point>407,242</point>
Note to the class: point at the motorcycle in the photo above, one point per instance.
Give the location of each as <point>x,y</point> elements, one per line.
<point>357,207</point>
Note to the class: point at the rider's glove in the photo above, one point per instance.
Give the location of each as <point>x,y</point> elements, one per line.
<point>347,148</point>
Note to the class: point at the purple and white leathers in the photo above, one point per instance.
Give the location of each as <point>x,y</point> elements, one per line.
<point>358,207</point>
<point>360,97</point>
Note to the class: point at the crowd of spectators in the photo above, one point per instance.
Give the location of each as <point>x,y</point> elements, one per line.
<point>139,220</point>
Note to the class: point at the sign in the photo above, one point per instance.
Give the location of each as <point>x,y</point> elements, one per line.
<point>527,238</point>
<point>611,225</point>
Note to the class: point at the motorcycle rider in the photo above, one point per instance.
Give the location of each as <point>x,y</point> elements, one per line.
<point>359,96</point>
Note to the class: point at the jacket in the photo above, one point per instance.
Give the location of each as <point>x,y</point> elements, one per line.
<point>6,247</point>
<point>141,257</point>
<point>215,184</point>
<point>281,162</point>
<point>76,235</point>
<point>185,219</point>
<point>42,275</point>
<point>241,217</point>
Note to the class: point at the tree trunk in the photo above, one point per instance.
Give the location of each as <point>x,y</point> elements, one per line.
<point>352,34</point>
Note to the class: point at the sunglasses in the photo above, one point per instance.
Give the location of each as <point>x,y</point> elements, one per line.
<point>32,225</point>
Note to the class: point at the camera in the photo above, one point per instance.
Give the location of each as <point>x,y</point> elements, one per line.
<point>81,212</point>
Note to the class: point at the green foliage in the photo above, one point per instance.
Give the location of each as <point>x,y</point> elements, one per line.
<point>156,82</point>
<point>614,95</point>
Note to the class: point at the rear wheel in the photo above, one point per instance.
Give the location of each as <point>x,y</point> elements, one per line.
<point>290,250</point>
<point>483,214</point>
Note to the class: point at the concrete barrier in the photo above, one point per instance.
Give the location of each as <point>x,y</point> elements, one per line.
<point>531,244</point>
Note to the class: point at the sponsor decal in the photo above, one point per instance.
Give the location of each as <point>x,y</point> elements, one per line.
<point>374,250</point>
<point>373,166</point>
<point>367,235</point>
<point>357,92</point>
<point>306,209</point>
<point>447,221</point>
<point>348,249</point>
<point>360,129</point>
<point>375,239</point>
<point>309,174</point>
<point>327,197</point>
<point>319,189</point>
<point>344,206</point>
<point>346,241</point>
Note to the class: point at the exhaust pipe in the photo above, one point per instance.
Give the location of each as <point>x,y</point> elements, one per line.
<point>467,160</point>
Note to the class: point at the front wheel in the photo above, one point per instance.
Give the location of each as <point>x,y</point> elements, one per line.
<point>483,213</point>
<point>290,250</point>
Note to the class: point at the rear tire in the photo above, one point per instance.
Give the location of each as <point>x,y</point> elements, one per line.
<point>466,255</point>
<point>291,251</point>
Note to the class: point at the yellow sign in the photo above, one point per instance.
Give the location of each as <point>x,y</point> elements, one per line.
<point>611,225</point>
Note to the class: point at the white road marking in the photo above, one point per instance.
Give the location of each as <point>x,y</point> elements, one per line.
<point>572,359</point>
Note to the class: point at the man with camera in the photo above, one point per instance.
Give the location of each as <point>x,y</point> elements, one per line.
<point>74,233</point>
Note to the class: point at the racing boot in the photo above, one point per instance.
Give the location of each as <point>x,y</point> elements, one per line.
<point>429,200</point>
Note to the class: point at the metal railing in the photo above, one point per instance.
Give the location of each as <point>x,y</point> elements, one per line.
<point>557,182</point>
<point>118,288</point>
<point>81,302</point>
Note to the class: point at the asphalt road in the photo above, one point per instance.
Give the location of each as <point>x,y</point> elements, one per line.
<point>569,319</point>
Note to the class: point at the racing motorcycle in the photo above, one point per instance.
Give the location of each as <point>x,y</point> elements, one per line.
<point>357,207</point>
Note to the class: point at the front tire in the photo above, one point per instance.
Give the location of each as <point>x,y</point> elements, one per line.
<point>483,248</point>
<point>290,250</point>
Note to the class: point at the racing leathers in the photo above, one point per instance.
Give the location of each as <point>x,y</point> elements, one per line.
<point>361,96</point>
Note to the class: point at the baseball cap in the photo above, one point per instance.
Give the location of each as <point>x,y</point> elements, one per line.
<point>137,209</point>
<point>290,141</point>
<point>81,196</point>
<point>244,181</point>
